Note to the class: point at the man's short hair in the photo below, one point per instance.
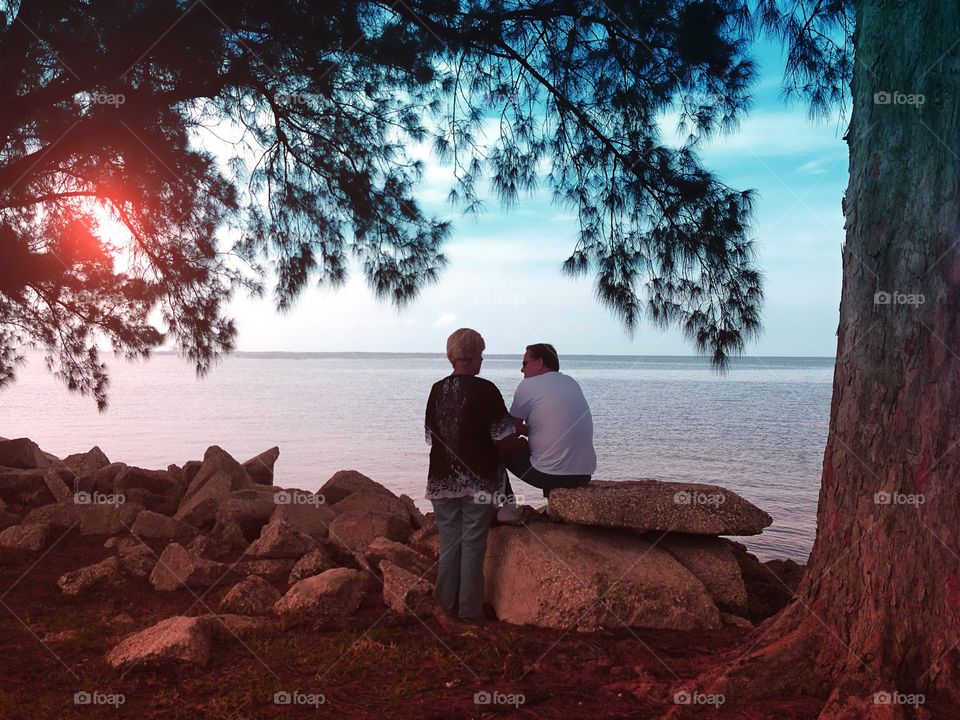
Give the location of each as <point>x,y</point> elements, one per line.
<point>464,344</point>
<point>547,353</point>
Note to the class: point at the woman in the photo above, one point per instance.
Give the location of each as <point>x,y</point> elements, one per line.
<point>466,416</point>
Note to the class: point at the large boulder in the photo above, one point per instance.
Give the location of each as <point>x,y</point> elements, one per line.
<point>652,505</point>
<point>565,576</point>
<point>22,453</point>
<point>249,509</point>
<point>222,541</point>
<point>273,570</point>
<point>105,574</point>
<point>346,482</point>
<point>281,539</point>
<point>157,482</point>
<point>417,518</point>
<point>251,596</point>
<point>100,480</point>
<point>260,467</point>
<point>404,592</point>
<point>59,482</point>
<point>150,525</point>
<point>217,477</point>
<point>714,562</point>
<point>313,563</point>
<point>356,529</point>
<point>178,640</point>
<point>178,567</point>
<point>26,487</point>
<point>88,462</point>
<point>107,518</point>
<point>376,503</point>
<point>385,550</point>
<point>313,518</point>
<point>61,516</point>
<point>334,593</point>
<point>25,537</point>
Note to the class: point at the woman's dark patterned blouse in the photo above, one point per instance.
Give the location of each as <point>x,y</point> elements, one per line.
<point>465,416</point>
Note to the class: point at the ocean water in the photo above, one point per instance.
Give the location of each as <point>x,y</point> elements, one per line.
<point>759,430</point>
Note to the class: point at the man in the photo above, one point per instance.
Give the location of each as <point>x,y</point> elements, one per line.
<point>558,423</point>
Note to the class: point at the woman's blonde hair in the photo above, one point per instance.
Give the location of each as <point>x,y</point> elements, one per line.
<point>463,344</point>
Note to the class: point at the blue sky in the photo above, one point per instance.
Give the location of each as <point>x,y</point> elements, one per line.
<point>504,278</point>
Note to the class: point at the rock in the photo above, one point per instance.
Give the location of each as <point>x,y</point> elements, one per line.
<point>713,561</point>
<point>336,592</point>
<point>99,481</point>
<point>281,539</point>
<point>405,592</point>
<point>355,530</point>
<point>25,487</point>
<point>645,505</point>
<point>788,572</point>
<point>249,509</point>
<point>56,480</point>
<point>313,563</point>
<point>158,482</point>
<point>8,519</point>
<point>272,570</point>
<point>22,453</point>
<point>426,540</point>
<point>107,518</point>
<point>61,516</point>
<point>217,477</point>
<point>25,537</point>
<point>313,519</point>
<point>138,561</point>
<point>260,468</point>
<point>770,586</point>
<point>163,504</point>
<point>88,462</point>
<point>375,503</point>
<point>575,577</point>
<point>178,567</point>
<point>731,620</point>
<point>102,575</point>
<point>122,543</point>
<point>178,640</point>
<point>417,518</point>
<point>189,471</point>
<point>346,482</point>
<point>251,596</point>
<point>150,525</point>
<point>385,550</point>
<point>222,541</point>
<point>231,627</point>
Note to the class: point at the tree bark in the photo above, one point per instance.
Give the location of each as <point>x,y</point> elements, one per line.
<point>878,611</point>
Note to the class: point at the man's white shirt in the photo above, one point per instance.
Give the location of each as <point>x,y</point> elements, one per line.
<point>561,426</point>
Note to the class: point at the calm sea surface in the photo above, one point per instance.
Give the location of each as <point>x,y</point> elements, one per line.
<point>759,430</point>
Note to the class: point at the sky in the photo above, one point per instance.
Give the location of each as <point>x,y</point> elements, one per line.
<point>504,278</point>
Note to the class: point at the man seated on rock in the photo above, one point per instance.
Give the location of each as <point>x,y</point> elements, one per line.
<point>557,420</point>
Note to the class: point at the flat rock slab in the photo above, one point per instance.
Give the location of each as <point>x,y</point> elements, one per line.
<point>573,577</point>
<point>651,505</point>
<point>178,641</point>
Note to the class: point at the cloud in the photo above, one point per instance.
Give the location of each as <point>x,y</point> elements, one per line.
<point>445,320</point>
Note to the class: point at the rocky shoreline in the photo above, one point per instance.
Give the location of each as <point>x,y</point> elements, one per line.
<point>640,555</point>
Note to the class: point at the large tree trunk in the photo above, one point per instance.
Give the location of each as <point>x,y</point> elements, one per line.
<point>879,608</point>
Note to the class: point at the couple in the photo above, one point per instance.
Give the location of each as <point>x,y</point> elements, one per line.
<point>474,440</point>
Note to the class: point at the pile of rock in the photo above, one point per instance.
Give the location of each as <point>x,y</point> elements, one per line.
<point>642,554</point>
